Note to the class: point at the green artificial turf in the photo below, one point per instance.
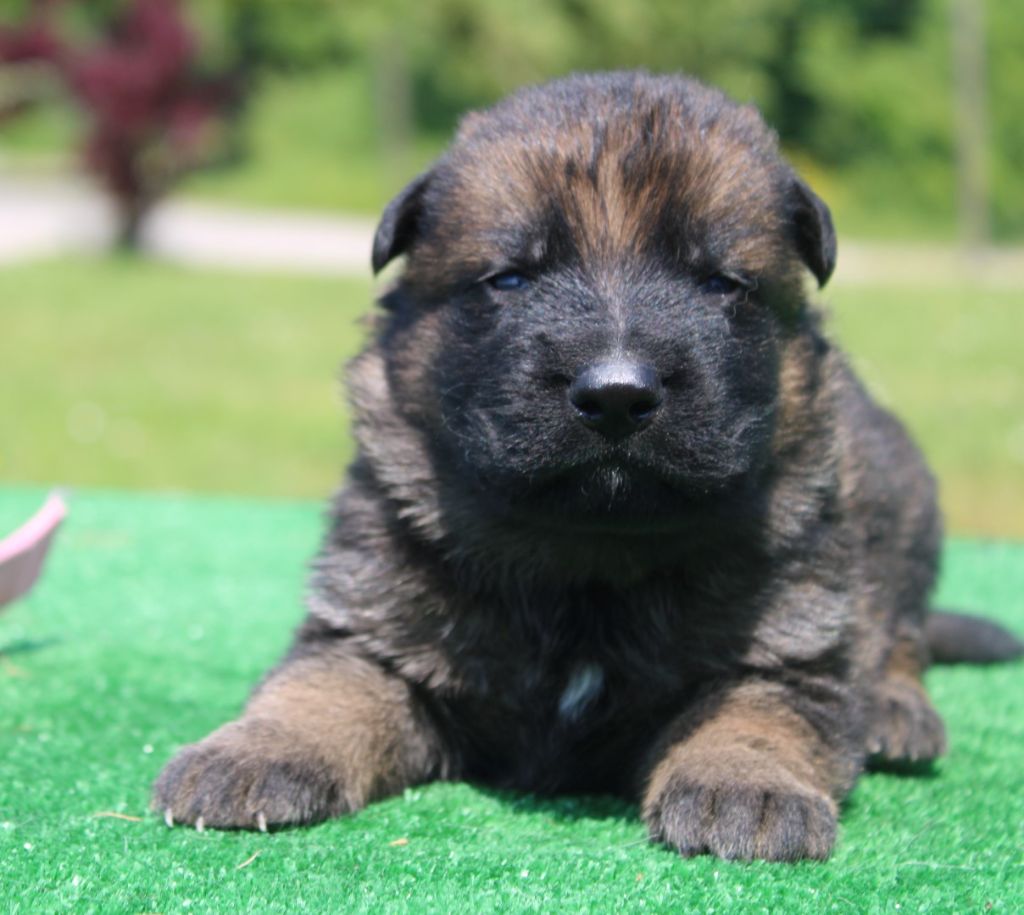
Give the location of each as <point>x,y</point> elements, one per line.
<point>157,613</point>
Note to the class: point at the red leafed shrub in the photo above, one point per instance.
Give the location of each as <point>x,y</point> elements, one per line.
<point>152,114</point>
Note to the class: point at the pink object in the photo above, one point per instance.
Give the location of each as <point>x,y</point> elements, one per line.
<point>22,553</point>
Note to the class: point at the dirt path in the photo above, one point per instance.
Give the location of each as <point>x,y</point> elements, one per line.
<point>45,218</point>
<point>42,218</point>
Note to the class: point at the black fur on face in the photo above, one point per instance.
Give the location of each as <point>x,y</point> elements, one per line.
<point>655,224</point>
<point>514,432</point>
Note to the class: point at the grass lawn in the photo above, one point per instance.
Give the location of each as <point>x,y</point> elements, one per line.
<point>157,614</point>
<point>949,362</point>
<point>132,374</point>
<point>124,373</point>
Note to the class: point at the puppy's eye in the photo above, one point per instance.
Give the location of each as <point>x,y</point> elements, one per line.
<point>509,281</point>
<point>720,284</point>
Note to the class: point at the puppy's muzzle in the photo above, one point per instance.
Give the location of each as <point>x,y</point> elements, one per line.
<point>616,399</point>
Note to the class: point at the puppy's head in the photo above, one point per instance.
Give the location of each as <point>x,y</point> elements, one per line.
<point>602,275</point>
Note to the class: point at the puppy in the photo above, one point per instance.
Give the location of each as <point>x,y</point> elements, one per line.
<point>622,519</point>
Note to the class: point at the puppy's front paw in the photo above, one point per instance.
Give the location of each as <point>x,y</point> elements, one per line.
<point>764,813</point>
<point>905,729</point>
<point>248,775</point>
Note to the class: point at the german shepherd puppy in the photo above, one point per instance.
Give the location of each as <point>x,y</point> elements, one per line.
<point>622,518</point>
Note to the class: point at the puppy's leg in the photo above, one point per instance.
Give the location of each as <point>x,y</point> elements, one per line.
<point>752,772</point>
<point>904,728</point>
<point>326,733</point>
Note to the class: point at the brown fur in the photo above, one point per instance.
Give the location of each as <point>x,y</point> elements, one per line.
<point>743,778</point>
<point>721,616</point>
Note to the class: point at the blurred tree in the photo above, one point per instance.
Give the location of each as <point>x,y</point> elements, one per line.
<point>971,119</point>
<point>863,89</point>
<point>151,114</point>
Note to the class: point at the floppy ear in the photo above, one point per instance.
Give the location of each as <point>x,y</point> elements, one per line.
<point>399,223</point>
<point>813,231</point>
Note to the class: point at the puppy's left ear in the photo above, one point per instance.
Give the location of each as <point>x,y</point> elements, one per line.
<point>399,223</point>
<point>813,231</point>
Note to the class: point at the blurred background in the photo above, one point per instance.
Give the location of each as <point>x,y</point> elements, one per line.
<point>188,190</point>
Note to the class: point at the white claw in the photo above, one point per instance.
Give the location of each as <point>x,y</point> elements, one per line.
<point>200,824</point>
<point>169,818</point>
<point>261,821</point>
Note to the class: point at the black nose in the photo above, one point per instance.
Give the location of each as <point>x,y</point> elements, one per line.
<point>616,398</point>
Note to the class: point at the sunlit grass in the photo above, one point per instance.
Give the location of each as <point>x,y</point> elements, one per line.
<point>124,373</point>
<point>950,362</point>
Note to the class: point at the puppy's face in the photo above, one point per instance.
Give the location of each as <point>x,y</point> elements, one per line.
<point>602,276</point>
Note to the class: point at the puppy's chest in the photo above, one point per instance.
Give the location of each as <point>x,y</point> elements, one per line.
<point>576,664</point>
<point>584,686</point>
<point>565,695</point>
<point>566,720</point>
<point>571,695</point>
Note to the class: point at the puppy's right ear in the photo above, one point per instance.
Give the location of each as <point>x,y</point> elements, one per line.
<point>399,224</point>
